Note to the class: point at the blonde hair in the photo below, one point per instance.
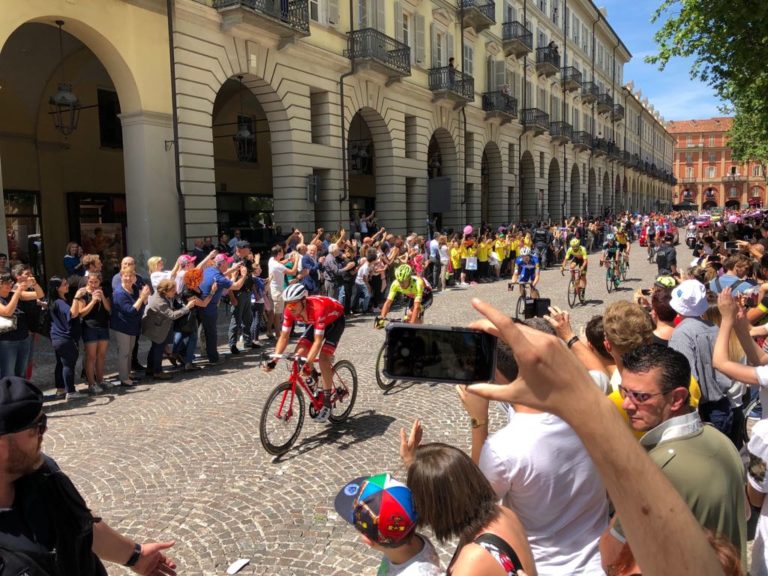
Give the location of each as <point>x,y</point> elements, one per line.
<point>153,263</point>
<point>627,326</point>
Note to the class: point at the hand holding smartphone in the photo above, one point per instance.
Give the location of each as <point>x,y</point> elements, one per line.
<point>439,354</point>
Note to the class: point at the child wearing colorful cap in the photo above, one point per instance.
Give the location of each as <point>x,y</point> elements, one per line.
<point>381,509</point>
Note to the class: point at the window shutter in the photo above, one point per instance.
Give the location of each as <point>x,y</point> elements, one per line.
<point>420,26</point>
<point>433,45</point>
<point>449,47</point>
<point>381,22</point>
<point>398,35</point>
<point>500,74</point>
<point>332,12</point>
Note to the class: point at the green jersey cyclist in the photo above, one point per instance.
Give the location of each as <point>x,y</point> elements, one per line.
<point>413,288</point>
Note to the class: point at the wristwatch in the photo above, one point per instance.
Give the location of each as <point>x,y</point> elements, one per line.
<point>134,557</point>
<point>477,423</point>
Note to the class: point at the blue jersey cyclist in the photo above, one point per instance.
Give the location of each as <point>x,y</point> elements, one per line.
<point>527,270</point>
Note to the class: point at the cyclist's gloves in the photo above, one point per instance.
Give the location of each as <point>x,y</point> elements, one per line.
<point>271,364</point>
<point>378,323</point>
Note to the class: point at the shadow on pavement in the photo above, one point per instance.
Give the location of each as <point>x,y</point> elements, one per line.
<point>354,430</point>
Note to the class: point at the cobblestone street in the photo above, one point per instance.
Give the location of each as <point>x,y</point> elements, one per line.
<point>182,460</point>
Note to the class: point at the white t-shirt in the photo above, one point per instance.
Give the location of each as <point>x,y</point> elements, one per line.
<point>362,272</point>
<point>425,563</point>
<point>759,565</point>
<point>762,379</point>
<point>277,272</point>
<point>444,254</point>
<point>539,468</point>
<point>156,277</point>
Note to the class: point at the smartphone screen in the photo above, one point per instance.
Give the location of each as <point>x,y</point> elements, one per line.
<point>731,246</point>
<point>439,354</point>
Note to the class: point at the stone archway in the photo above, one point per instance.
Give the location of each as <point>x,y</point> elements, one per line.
<point>528,194</point>
<point>443,172</point>
<point>576,208</point>
<point>493,200</point>
<point>554,191</point>
<point>592,202</point>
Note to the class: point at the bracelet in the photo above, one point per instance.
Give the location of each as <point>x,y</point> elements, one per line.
<point>572,341</point>
<point>134,557</point>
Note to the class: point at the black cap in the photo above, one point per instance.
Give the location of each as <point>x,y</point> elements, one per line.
<point>764,225</point>
<point>243,244</point>
<point>20,403</point>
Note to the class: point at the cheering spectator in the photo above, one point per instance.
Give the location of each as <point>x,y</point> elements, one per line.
<point>128,303</point>
<point>14,333</point>
<point>65,334</point>
<point>95,312</point>
<point>73,265</point>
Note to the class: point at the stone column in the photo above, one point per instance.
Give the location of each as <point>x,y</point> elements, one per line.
<point>150,187</point>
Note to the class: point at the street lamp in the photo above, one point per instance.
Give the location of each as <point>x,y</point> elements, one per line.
<point>64,105</point>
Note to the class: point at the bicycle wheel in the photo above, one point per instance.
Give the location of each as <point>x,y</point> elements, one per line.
<point>520,308</point>
<point>571,293</point>
<point>383,382</point>
<point>623,271</point>
<point>345,391</point>
<point>281,419</point>
<point>609,283</point>
<point>583,296</point>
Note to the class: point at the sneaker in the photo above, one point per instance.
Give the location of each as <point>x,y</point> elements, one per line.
<point>105,386</point>
<point>322,416</point>
<point>234,350</point>
<point>60,395</point>
<point>93,390</point>
<point>127,385</point>
<point>255,345</point>
<point>191,367</point>
<point>76,396</point>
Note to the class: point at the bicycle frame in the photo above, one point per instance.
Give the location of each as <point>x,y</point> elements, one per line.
<point>295,378</point>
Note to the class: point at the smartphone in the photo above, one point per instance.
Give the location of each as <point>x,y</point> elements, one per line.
<point>731,247</point>
<point>439,354</point>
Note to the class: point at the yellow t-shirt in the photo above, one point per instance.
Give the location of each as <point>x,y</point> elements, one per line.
<point>455,254</point>
<point>528,242</point>
<point>514,245</point>
<point>500,247</point>
<point>467,251</point>
<point>483,251</point>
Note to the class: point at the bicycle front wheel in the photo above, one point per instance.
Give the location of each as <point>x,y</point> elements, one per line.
<point>571,293</point>
<point>383,382</point>
<point>520,308</point>
<point>609,285</point>
<point>623,271</point>
<point>281,419</point>
<point>344,390</point>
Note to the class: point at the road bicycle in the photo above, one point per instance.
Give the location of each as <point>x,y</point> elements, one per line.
<point>574,290</point>
<point>612,278</point>
<point>623,265</point>
<point>381,380</point>
<point>283,414</point>
<point>524,295</point>
<point>651,251</point>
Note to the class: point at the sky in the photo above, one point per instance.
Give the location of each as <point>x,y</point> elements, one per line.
<point>672,91</point>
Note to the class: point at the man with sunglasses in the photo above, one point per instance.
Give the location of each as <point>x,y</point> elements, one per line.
<point>45,525</point>
<point>700,462</point>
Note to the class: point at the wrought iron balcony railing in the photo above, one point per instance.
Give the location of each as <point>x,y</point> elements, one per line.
<point>582,139</point>
<point>618,113</point>
<point>589,92</point>
<point>535,119</point>
<point>500,102</point>
<point>518,40</point>
<point>604,103</point>
<point>548,55</point>
<point>485,7</point>
<point>293,13</point>
<point>448,79</point>
<point>372,44</point>
<point>561,131</point>
<point>571,78</point>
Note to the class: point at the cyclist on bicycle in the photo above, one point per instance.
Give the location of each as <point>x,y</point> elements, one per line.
<point>542,238</point>
<point>578,257</point>
<point>527,271</point>
<point>622,239</point>
<point>324,321</point>
<point>611,254</point>
<point>412,287</point>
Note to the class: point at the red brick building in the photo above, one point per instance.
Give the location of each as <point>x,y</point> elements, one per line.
<point>706,174</point>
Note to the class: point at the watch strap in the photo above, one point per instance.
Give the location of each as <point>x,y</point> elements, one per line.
<point>135,556</point>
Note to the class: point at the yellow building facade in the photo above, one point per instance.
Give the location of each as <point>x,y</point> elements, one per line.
<point>461,110</point>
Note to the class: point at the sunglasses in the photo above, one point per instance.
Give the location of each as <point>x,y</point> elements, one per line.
<point>293,305</point>
<point>41,424</point>
<point>638,397</point>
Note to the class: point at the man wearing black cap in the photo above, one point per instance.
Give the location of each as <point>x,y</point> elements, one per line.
<point>242,313</point>
<point>45,525</point>
<point>666,257</point>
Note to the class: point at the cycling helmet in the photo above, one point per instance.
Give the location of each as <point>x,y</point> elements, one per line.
<point>403,272</point>
<point>294,292</point>
<point>610,237</point>
<point>575,243</point>
<point>525,251</point>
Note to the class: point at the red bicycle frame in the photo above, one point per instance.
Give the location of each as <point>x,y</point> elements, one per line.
<point>296,378</point>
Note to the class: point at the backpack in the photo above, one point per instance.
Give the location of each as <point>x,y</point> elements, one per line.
<point>40,323</point>
<point>17,563</point>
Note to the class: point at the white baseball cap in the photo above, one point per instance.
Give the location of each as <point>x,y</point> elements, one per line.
<point>689,298</point>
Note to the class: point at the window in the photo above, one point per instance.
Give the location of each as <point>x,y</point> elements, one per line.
<point>511,159</point>
<point>469,149</point>
<point>314,10</point>
<point>439,54</point>
<point>510,14</point>
<point>542,38</point>
<point>689,172</point>
<point>711,171</point>
<point>406,31</point>
<point>411,136</point>
<point>110,127</point>
<point>757,171</point>
<point>576,29</point>
<point>585,39</point>
<point>543,6</point>
<point>690,141</point>
<point>711,140</point>
<point>469,56</point>
<point>362,14</point>
<point>711,157</point>
<point>541,164</point>
<point>556,12</point>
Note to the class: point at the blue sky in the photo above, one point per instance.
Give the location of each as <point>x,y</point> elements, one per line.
<point>672,91</point>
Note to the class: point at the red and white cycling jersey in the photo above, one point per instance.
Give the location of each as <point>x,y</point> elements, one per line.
<point>321,312</point>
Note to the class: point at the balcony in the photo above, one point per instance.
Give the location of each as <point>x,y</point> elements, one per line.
<point>600,146</point>
<point>571,79</point>
<point>500,105</point>
<point>618,113</point>
<point>535,120</point>
<point>688,180</point>
<point>547,61</point>
<point>635,161</point>
<point>626,158</point>
<point>517,39</point>
<point>734,178</point>
<point>589,92</point>
<point>615,154</point>
<point>447,83</point>
<point>479,14</point>
<point>561,132</point>
<point>377,51</point>
<point>288,20</point>
<point>604,103</point>
<point>582,141</point>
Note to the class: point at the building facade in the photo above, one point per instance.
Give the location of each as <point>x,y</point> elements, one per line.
<point>268,114</point>
<point>706,173</point>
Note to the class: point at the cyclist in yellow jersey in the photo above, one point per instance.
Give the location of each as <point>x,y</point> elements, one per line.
<point>413,288</point>
<point>578,256</point>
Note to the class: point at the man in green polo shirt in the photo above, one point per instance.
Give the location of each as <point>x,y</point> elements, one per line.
<point>701,462</point>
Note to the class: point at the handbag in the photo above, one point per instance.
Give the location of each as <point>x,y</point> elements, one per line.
<point>7,324</point>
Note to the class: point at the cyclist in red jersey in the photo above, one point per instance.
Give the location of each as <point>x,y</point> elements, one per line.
<point>324,318</point>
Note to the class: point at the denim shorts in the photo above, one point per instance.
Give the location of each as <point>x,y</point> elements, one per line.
<point>95,334</point>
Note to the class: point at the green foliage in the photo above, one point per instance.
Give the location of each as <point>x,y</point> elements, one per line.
<point>728,40</point>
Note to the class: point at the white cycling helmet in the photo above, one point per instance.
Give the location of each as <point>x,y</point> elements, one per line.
<point>294,292</point>
<point>525,251</point>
